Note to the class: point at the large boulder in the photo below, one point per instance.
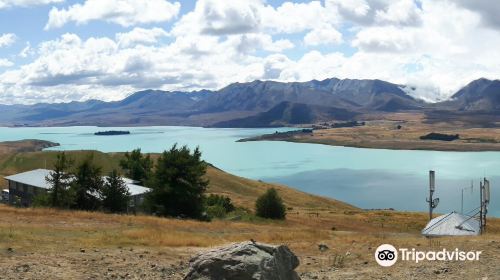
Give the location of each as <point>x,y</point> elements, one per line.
<point>245,261</point>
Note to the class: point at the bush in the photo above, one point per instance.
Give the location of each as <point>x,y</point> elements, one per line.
<point>216,211</point>
<point>220,200</point>
<point>270,205</point>
<point>217,206</point>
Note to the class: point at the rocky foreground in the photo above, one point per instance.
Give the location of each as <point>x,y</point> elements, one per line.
<point>247,260</point>
<point>240,259</point>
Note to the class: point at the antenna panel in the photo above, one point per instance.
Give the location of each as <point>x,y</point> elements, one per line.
<point>432,180</point>
<point>486,191</point>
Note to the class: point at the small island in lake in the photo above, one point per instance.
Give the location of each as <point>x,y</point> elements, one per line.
<point>112,132</point>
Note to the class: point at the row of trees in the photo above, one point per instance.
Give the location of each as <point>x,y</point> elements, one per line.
<point>83,187</point>
<point>176,178</point>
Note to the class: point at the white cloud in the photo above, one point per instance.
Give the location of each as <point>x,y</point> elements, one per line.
<point>274,65</point>
<point>220,17</point>
<point>7,39</point>
<point>140,36</point>
<point>26,3</point>
<point>385,39</point>
<point>323,36</point>
<point>377,12</point>
<point>215,17</point>
<point>297,17</point>
<point>5,62</point>
<point>26,51</point>
<point>249,43</point>
<point>221,42</point>
<point>437,57</point>
<point>402,12</point>
<point>357,8</point>
<point>123,12</point>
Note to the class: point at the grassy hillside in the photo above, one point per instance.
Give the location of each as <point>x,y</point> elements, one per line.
<point>242,191</point>
<point>62,244</point>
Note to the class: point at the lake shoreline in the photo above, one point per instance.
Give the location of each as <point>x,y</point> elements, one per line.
<point>382,145</point>
<point>26,145</point>
<point>396,132</point>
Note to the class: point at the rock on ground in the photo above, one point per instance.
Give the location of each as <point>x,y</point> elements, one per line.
<point>244,261</point>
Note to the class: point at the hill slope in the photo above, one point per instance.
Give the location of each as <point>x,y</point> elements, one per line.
<point>481,95</point>
<point>364,95</point>
<point>287,113</point>
<point>243,191</point>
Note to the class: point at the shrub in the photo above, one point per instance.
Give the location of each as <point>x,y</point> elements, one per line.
<point>270,205</point>
<point>216,211</point>
<point>223,201</point>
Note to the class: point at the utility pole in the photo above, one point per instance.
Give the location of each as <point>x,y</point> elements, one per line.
<point>432,186</point>
<point>485,200</point>
<point>481,207</point>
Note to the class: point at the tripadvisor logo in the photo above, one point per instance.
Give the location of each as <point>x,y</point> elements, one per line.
<point>387,255</point>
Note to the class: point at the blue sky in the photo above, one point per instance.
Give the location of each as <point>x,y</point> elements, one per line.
<point>64,50</point>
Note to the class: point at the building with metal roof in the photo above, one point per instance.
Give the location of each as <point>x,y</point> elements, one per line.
<point>452,224</point>
<point>23,187</point>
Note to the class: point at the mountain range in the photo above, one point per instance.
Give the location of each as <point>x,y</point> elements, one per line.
<point>255,104</point>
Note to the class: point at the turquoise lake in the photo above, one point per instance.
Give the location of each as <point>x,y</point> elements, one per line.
<point>367,178</point>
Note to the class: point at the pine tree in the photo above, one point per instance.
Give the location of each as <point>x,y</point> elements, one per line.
<point>137,166</point>
<point>115,193</point>
<point>87,185</point>
<point>178,183</point>
<point>60,179</point>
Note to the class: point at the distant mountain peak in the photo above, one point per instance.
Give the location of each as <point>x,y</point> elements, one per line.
<point>479,95</point>
<point>254,103</point>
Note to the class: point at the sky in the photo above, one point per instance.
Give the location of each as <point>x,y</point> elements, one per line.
<point>75,50</point>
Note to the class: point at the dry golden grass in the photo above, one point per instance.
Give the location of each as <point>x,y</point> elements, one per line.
<point>51,229</point>
<point>45,236</point>
<point>244,192</point>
